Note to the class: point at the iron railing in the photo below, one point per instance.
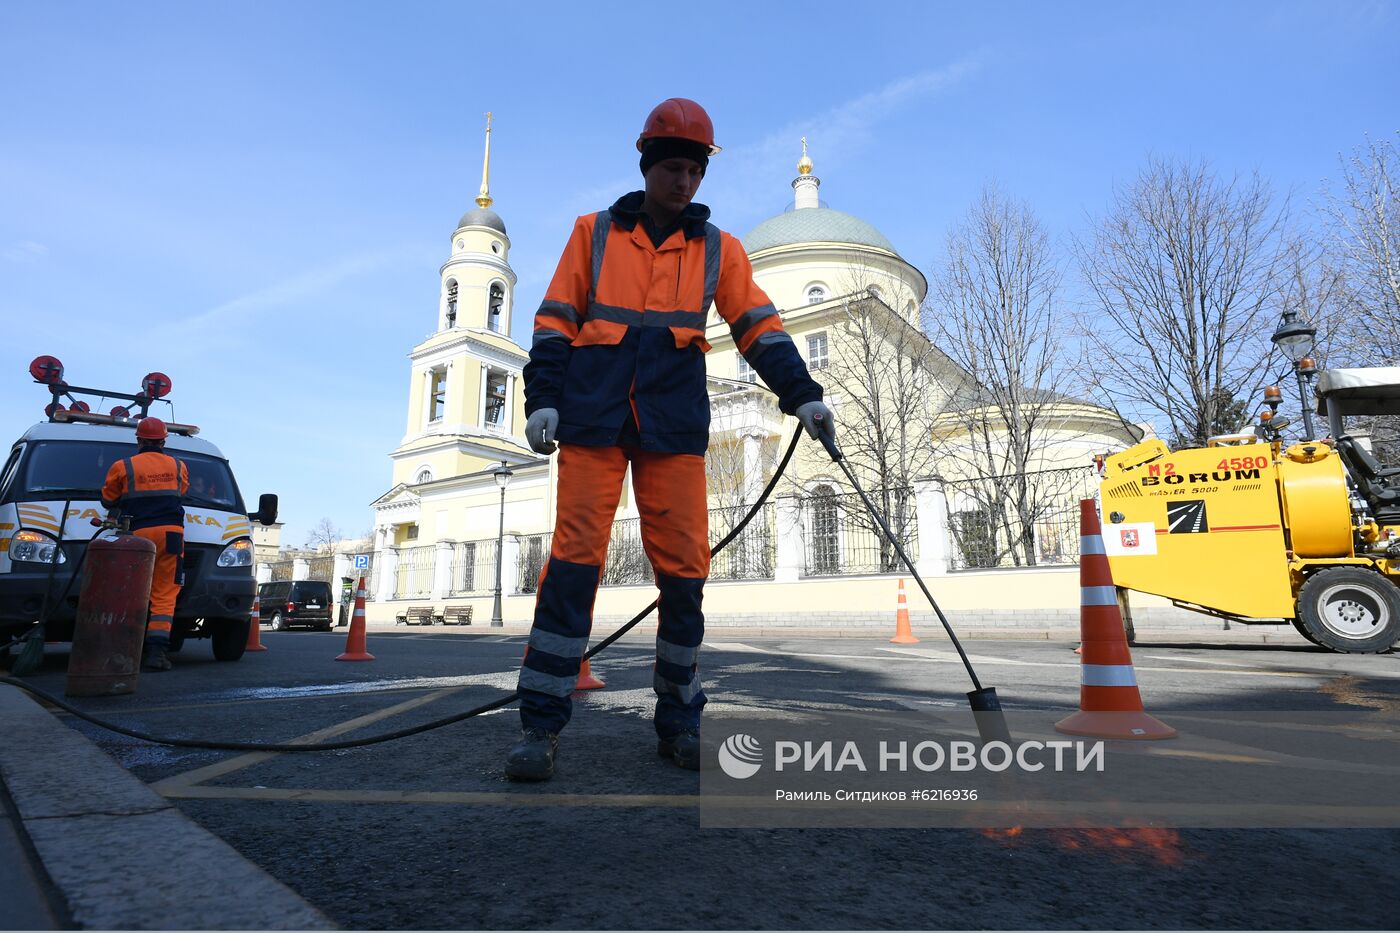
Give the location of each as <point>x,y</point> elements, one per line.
<point>839,536</point>
<point>413,576</point>
<point>1021,520</point>
<point>753,555</point>
<point>529,561</point>
<point>472,568</point>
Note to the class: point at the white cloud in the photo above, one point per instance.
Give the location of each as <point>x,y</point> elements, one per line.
<point>836,134</point>
<point>27,251</point>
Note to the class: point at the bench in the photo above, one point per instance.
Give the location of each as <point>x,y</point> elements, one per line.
<point>417,615</point>
<point>457,615</point>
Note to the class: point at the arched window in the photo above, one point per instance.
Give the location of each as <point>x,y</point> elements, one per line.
<point>824,532</point>
<point>451,302</point>
<point>816,294</point>
<point>495,308</point>
<point>424,476</point>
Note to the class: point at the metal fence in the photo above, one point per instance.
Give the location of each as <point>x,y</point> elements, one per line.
<point>1023,520</point>
<point>529,561</point>
<point>321,568</point>
<point>840,537</point>
<point>281,570</point>
<point>753,555</point>
<point>473,567</point>
<point>414,574</point>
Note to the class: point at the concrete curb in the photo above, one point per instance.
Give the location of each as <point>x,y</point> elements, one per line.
<point>109,842</point>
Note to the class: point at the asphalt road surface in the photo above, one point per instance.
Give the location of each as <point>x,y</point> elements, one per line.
<point>425,833</point>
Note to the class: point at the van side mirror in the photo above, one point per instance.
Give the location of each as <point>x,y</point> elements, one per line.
<point>267,509</point>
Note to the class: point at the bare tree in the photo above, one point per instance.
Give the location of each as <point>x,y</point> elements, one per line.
<point>993,311</point>
<point>1364,220</point>
<point>1186,270</point>
<point>889,396</point>
<point>323,535</point>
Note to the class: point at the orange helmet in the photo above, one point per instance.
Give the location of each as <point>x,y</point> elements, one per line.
<point>679,118</point>
<point>151,429</point>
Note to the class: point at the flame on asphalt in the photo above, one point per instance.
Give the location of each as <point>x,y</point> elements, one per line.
<point>1161,846</point>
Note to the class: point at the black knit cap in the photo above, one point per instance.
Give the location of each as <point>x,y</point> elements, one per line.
<point>669,147</point>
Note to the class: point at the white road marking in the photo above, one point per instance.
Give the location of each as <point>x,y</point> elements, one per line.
<point>734,646</point>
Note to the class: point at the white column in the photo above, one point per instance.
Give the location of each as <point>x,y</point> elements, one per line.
<point>789,540</point>
<point>753,466</point>
<point>509,412</point>
<point>481,399</point>
<point>427,399</point>
<point>931,506</point>
<point>301,568</point>
<point>510,557</point>
<point>442,570</point>
<point>264,573</point>
<point>388,563</point>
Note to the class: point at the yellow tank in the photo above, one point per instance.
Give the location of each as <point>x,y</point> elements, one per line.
<point>1316,509</point>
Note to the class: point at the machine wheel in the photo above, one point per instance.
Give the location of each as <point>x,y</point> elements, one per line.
<point>276,624</point>
<point>230,637</point>
<point>328,627</point>
<point>1351,610</point>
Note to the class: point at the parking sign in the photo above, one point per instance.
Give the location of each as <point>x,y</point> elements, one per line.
<point>361,561</point>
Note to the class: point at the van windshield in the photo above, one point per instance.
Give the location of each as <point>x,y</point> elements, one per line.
<point>77,469</point>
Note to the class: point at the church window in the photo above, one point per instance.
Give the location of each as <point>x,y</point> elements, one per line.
<point>746,373</point>
<point>824,537</point>
<point>495,398</point>
<point>411,533</point>
<point>495,308</point>
<point>816,294</point>
<point>424,476</point>
<point>816,351</point>
<point>437,395</point>
<point>496,247</point>
<point>451,302</point>
<point>461,244</point>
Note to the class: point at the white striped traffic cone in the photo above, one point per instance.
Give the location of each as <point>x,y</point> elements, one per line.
<point>1110,706</point>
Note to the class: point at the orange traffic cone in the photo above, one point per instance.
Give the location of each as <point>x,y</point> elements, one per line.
<point>903,632</point>
<point>355,641</point>
<point>1110,706</point>
<point>586,680</point>
<point>255,627</point>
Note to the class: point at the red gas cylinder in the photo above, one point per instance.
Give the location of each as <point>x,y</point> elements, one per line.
<point>111,624</point>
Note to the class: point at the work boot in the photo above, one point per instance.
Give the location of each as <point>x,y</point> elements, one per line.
<point>532,758</point>
<point>682,748</point>
<point>153,657</point>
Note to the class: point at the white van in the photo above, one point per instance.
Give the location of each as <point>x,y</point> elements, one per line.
<point>50,490</point>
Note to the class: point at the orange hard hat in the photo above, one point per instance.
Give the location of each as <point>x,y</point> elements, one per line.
<point>151,429</point>
<point>679,118</point>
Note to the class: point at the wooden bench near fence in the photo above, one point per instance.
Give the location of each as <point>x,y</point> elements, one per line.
<point>418,615</point>
<point>457,615</point>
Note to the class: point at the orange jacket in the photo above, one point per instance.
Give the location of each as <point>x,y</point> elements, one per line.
<point>148,488</point>
<point>622,330</point>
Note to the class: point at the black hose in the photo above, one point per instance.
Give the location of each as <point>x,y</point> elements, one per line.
<point>411,730</point>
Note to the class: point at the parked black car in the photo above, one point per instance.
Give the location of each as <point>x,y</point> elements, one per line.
<point>300,602</point>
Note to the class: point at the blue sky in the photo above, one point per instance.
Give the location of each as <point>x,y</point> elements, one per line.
<point>255,198</point>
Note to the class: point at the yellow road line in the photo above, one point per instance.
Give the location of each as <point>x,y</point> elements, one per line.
<point>228,766</point>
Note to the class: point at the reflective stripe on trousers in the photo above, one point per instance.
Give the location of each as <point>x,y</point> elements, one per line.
<point>670,494</point>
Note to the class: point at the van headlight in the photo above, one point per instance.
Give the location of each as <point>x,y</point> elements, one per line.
<point>237,554</point>
<point>34,547</point>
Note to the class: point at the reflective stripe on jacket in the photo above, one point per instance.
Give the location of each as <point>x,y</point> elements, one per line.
<point>622,330</point>
<point>147,487</point>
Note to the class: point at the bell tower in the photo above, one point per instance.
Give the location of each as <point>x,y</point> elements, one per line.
<point>466,408</point>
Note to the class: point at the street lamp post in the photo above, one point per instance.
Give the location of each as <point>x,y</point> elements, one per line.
<point>1295,339</point>
<point>502,474</point>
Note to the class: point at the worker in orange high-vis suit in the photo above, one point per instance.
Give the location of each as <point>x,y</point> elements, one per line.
<point>147,488</point>
<point>617,377</point>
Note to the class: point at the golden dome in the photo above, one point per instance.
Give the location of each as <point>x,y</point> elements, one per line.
<point>804,166</point>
